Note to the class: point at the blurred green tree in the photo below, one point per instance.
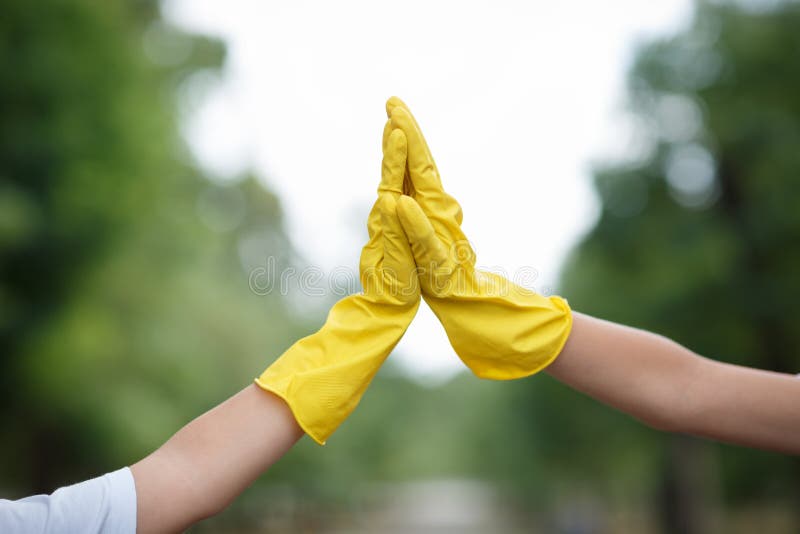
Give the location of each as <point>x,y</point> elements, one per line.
<point>699,231</point>
<point>124,307</point>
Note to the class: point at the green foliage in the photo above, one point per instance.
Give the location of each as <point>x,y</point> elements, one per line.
<point>124,309</point>
<point>698,237</point>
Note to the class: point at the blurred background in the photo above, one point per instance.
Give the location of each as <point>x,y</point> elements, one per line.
<point>153,157</point>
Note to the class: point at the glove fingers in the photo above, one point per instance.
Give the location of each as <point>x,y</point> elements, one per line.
<point>392,169</point>
<point>429,252</point>
<point>387,129</point>
<point>424,182</point>
<point>421,166</point>
<point>393,102</point>
<point>398,260</point>
<point>408,187</point>
<point>394,163</point>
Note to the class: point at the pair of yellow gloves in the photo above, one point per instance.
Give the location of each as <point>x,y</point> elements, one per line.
<point>499,330</point>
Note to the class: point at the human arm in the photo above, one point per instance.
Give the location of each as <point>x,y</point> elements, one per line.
<point>194,475</point>
<point>671,388</point>
<point>645,375</point>
<point>312,387</point>
<point>200,470</point>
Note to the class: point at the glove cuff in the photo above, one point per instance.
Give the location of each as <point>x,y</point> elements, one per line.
<point>502,338</point>
<point>323,376</point>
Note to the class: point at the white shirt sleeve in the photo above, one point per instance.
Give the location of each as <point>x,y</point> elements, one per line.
<point>105,504</point>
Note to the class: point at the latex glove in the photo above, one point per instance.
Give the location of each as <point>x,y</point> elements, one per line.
<point>323,376</point>
<point>499,329</point>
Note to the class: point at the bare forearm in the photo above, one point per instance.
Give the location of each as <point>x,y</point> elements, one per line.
<point>747,406</point>
<point>671,388</point>
<point>210,461</point>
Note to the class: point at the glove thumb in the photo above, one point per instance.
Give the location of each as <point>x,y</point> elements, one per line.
<point>430,254</point>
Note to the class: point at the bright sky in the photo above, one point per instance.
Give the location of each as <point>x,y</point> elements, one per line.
<point>516,99</point>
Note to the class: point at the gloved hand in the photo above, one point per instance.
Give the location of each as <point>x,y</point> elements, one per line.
<point>499,329</point>
<point>323,376</point>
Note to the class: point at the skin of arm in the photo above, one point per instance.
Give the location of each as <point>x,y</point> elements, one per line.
<point>670,388</point>
<point>200,470</point>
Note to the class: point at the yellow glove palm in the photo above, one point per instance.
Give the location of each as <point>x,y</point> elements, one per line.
<point>323,376</point>
<point>499,329</point>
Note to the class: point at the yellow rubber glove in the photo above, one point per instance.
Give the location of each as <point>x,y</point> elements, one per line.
<point>323,376</point>
<point>499,329</point>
